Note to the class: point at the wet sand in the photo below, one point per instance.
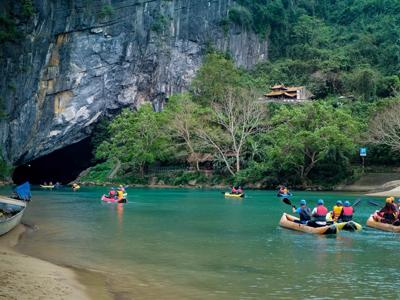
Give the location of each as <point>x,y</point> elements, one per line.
<point>26,277</point>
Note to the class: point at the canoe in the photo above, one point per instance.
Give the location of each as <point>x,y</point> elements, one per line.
<point>349,226</point>
<point>229,195</point>
<point>287,221</point>
<point>47,186</point>
<point>12,211</point>
<point>112,200</point>
<point>382,226</point>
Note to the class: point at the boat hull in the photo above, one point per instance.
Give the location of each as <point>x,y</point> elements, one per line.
<point>112,200</point>
<point>349,226</point>
<point>287,221</point>
<point>229,195</point>
<point>47,186</point>
<point>9,223</point>
<point>382,226</point>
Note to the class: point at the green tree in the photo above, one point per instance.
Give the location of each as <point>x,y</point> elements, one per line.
<point>137,139</point>
<point>214,77</point>
<point>303,137</point>
<point>364,83</point>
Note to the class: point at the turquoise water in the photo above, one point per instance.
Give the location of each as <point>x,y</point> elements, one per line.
<point>194,244</point>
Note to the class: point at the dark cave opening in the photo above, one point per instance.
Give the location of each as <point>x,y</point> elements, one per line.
<point>63,165</point>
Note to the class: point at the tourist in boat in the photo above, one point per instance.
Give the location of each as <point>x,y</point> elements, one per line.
<point>303,211</point>
<point>388,213</point>
<point>120,194</point>
<point>281,190</point>
<point>337,210</point>
<point>240,190</point>
<point>397,222</point>
<point>347,212</point>
<point>112,193</point>
<point>319,215</point>
<point>121,187</point>
<point>234,190</point>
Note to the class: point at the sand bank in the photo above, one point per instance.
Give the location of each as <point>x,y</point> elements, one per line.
<point>25,277</point>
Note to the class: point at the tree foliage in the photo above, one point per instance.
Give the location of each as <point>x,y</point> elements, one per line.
<point>137,139</point>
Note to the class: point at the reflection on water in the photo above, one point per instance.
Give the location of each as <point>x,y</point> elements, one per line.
<point>194,244</point>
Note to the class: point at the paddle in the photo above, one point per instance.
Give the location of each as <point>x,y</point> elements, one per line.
<point>374,203</point>
<point>288,202</point>
<point>358,201</point>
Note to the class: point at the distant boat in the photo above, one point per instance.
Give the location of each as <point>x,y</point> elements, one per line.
<point>11,212</point>
<point>47,186</point>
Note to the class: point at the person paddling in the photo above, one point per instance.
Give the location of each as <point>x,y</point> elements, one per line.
<point>112,193</point>
<point>397,222</point>
<point>240,190</point>
<point>337,210</point>
<point>234,190</point>
<point>319,215</point>
<point>303,211</point>
<point>388,213</point>
<point>347,212</point>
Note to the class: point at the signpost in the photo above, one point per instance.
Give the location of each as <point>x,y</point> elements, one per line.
<point>363,154</point>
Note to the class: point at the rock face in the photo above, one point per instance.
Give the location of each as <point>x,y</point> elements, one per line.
<point>82,59</point>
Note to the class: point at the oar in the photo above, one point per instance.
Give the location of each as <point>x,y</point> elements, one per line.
<point>358,201</point>
<point>373,203</point>
<point>288,202</point>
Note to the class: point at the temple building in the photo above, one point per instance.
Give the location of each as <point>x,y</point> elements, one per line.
<point>281,93</point>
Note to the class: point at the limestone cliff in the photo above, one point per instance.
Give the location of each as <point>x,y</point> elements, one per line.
<point>81,59</point>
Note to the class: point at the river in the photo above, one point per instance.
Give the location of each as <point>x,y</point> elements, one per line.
<point>195,244</point>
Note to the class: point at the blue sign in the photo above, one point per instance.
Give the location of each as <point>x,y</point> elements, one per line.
<point>363,151</point>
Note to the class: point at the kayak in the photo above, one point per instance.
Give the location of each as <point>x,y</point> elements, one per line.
<point>113,200</point>
<point>382,226</point>
<point>287,221</point>
<point>47,186</point>
<point>229,195</point>
<point>349,226</point>
<point>288,195</point>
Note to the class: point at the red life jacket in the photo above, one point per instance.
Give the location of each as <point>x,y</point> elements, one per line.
<point>347,214</point>
<point>322,211</point>
<point>347,211</point>
<point>234,190</point>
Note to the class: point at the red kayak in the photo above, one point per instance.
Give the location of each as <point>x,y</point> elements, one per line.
<point>113,200</point>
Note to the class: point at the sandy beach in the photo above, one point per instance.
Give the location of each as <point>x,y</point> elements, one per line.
<point>25,277</point>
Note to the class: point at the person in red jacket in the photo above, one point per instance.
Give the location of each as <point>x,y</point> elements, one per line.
<point>388,213</point>
<point>319,215</point>
<point>347,212</point>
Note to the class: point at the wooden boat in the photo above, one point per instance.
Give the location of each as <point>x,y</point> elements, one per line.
<point>47,186</point>
<point>287,221</point>
<point>229,195</point>
<point>12,211</point>
<point>382,226</point>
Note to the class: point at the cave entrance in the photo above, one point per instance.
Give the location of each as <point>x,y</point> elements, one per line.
<point>63,165</point>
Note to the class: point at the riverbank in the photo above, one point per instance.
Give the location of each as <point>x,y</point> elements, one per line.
<point>26,277</point>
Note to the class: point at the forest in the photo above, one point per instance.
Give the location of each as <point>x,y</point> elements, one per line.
<point>345,52</point>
